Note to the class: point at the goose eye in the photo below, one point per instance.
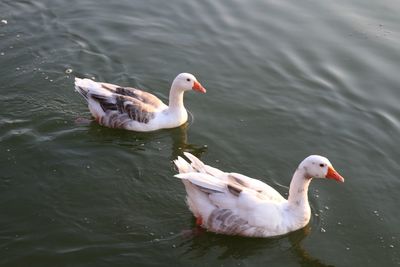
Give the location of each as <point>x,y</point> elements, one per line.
<point>188,79</point>
<point>322,165</point>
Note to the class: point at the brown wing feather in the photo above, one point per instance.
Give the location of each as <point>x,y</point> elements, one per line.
<point>225,221</point>
<point>140,95</point>
<point>121,109</point>
<point>137,111</point>
<point>236,186</point>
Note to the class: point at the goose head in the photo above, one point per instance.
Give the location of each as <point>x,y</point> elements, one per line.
<point>316,166</point>
<point>186,82</point>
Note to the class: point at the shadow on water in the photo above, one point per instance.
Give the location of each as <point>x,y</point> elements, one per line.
<point>304,258</point>
<point>202,242</point>
<point>180,143</point>
<point>139,140</point>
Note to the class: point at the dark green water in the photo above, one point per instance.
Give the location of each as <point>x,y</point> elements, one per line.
<point>285,79</point>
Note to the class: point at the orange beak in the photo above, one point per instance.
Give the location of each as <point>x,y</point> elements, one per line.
<point>333,174</point>
<point>198,87</point>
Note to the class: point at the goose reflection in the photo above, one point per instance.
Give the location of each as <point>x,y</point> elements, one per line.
<point>304,258</point>
<point>180,143</point>
<point>201,243</point>
<point>178,138</point>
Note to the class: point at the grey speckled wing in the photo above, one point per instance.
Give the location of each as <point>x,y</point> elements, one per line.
<point>263,191</point>
<point>140,95</point>
<point>120,110</point>
<point>225,221</point>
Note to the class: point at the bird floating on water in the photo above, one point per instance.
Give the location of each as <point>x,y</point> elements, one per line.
<point>234,204</point>
<point>132,109</point>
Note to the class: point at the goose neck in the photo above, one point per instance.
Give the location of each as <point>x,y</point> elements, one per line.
<point>176,98</point>
<point>298,192</point>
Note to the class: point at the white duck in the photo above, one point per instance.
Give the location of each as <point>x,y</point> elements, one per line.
<point>132,109</point>
<point>234,204</point>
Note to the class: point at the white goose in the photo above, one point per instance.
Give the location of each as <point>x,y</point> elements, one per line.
<point>234,204</point>
<point>132,109</point>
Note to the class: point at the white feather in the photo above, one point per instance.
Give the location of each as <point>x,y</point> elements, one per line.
<point>143,111</point>
<point>203,180</point>
<point>233,203</point>
<point>182,165</point>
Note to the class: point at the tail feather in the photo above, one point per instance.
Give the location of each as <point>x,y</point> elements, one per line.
<point>204,182</point>
<point>200,181</point>
<point>86,87</point>
<point>199,166</point>
<point>196,163</point>
<point>213,171</point>
<point>182,165</point>
<point>86,83</point>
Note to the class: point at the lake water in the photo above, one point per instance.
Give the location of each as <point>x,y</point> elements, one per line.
<point>285,79</point>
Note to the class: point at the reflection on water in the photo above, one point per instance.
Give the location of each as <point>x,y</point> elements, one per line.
<point>285,80</point>
<point>304,258</point>
<point>200,243</point>
<point>236,247</point>
<point>180,143</point>
<point>139,141</point>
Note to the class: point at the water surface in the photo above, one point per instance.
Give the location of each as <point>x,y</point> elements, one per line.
<point>285,80</point>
